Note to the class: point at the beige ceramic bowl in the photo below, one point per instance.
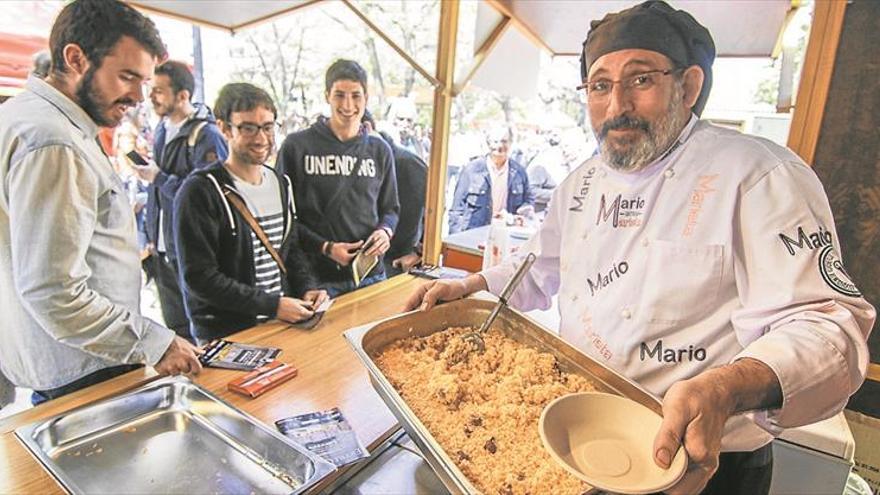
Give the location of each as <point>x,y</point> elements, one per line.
<point>607,441</point>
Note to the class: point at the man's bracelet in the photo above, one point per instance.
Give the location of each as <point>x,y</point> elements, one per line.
<point>328,248</point>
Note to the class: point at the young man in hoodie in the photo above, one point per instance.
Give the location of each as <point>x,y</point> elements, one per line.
<point>344,183</point>
<point>186,139</point>
<point>231,280</point>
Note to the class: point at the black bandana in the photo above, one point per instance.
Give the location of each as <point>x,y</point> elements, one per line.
<point>655,26</point>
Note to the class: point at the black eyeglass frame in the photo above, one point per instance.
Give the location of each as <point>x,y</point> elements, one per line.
<point>268,128</point>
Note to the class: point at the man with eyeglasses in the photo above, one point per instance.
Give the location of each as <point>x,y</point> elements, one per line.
<point>236,229</point>
<point>700,262</point>
<point>186,139</point>
<point>489,186</point>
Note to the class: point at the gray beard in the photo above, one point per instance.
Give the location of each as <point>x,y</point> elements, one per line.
<point>654,143</point>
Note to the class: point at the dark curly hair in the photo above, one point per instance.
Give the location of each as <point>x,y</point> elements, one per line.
<point>96,26</point>
<point>241,97</point>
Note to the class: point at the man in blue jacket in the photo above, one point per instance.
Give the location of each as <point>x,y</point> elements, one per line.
<point>186,139</point>
<point>489,185</point>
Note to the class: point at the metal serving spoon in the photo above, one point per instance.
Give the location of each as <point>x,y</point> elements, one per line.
<point>476,338</point>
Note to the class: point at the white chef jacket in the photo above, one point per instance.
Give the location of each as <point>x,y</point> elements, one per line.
<point>724,248</point>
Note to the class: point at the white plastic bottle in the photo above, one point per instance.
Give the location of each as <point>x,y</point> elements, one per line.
<point>498,243</point>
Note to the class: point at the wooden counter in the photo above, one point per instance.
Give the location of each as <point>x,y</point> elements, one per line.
<point>330,375</point>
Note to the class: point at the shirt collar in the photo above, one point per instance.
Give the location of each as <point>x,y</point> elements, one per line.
<point>495,170</point>
<point>75,113</point>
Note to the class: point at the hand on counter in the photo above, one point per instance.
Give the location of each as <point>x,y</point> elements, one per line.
<point>407,261</point>
<point>181,357</point>
<point>430,294</point>
<point>294,310</point>
<point>315,297</point>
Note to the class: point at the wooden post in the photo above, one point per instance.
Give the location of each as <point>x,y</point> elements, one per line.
<point>816,78</point>
<point>436,193</point>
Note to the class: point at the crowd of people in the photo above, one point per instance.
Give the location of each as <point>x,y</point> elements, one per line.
<point>675,235</point>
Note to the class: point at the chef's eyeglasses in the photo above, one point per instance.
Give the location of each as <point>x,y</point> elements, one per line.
<point>600,89</point>
<point>250,130</point>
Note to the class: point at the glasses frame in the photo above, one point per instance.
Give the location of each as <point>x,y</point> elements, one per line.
<point>265,128</point>
<point>585,86</point>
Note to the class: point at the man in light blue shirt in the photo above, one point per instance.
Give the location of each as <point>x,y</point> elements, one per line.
<point>69,264</point>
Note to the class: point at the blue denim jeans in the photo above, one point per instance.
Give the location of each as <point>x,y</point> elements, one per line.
<point>338,288</point>
<point>40,396</point>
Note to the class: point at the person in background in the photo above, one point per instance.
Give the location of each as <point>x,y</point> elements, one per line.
<point>42,64</point>
<point>186,139</point>
<point>402,115</point>
<point>69,266</point>
<point>231,279</point>
<point>412,181</point>
<point>489,186</point>
<point>344,183</point>
<point>697,261</point>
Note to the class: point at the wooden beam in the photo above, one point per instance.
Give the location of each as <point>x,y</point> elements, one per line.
<point>816,78</point>
<point>436,188</point>
<point>789,16</point>
<point>394,46</point>
<point>874,372</point>
<point>268,17</point>
<point>482,53</point>
<point>524,28</point>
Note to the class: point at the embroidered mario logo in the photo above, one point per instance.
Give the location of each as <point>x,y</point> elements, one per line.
<point>831,268</point>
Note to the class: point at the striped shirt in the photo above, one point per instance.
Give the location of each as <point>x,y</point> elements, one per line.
<point>264,203</point>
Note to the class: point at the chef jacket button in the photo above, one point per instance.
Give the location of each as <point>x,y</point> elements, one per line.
<point>645,242</point>
<point>626,314</point>
<point>602,173</point>
<point>669,173</point>
<point>574,297</point>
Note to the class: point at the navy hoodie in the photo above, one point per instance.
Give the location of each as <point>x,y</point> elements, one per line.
<point>176,160</point>
<point>343,191</point>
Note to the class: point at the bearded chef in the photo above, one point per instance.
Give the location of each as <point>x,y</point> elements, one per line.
<point>700,262</point>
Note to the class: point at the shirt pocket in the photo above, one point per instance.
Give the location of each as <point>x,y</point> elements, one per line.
<point>682,281</point>
<point>476,196</point>
<point>517,188</point>
<point>114,210</point>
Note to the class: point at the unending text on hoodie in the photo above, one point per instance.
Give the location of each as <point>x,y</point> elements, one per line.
<point>338,165</point>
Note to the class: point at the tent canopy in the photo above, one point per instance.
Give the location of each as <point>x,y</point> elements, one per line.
<point>741,28</point>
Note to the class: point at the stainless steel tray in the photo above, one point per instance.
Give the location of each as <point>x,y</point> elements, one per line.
<point>370,340</point>
<point>170,436</point>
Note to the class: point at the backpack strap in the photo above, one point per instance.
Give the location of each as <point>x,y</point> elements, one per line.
<point>194,135</point>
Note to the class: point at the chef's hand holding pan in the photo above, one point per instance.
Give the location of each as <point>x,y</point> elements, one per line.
<point>695,411</point>
<point>427,295</point>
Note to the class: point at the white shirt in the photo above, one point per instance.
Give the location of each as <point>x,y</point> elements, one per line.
<point>498,181</point>
<point>724,248</point>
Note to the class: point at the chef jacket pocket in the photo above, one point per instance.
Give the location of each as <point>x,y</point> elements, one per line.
<point>682,281</point>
